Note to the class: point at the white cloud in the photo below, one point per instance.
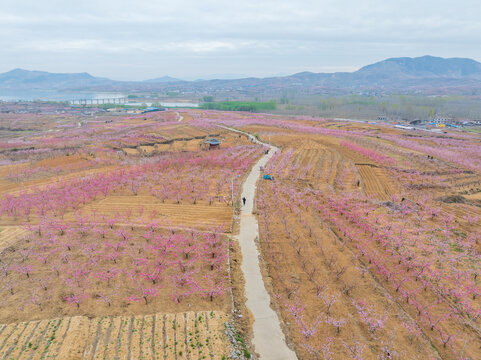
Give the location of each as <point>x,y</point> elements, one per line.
<point>258,37</point>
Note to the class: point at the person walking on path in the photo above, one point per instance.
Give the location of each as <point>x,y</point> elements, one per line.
<point>244,200</point>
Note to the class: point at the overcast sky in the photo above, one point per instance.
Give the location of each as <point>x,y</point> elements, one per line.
<point>141,39</point>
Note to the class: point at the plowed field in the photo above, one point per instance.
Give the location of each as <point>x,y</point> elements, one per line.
<point>9,235</point>
<point>376,182</point>
<point>187,215</point>
<point>178,336</point>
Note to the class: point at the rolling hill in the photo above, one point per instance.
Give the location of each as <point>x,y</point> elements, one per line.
<point>425,74</point>
<point>19,79</point>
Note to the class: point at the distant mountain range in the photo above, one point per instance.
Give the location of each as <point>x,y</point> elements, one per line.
<point>24,79</point>
<point>163,79</point>
<point>425,74</point>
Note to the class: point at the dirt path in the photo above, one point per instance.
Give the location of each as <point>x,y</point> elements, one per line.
<point>269,341</point>
<point>179,116</point>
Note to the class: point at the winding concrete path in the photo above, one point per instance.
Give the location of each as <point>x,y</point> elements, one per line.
<point>269,340</point>
<point>180,117</point>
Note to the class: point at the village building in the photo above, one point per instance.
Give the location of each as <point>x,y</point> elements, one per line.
<point>212,143</point>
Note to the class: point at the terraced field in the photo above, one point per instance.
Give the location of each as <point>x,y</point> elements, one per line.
<point>417,201</point>
<point>187,335</point>
<point>376,182</point>
<point>171,308</point>
<point>182,131</point>
<point>323,164</point>
<point>14,188</point>
<point>183,138</point>
<point>9,235</point>
<point>369,237</point>
<point>188,215</point>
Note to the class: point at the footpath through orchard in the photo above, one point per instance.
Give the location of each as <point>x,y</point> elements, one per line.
<point>269,340</point>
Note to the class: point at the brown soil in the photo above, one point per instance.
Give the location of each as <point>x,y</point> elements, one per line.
<point>201,216</point>
<point>51,302</point>
<point>187,335</point>
<point>333,264</point>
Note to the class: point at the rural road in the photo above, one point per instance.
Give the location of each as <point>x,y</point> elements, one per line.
<point>268,340</point>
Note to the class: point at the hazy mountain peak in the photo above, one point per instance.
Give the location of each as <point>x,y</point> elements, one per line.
<point>21,78</point>
<point>425,66</point>
<point>163,79</point>
<point>426,73</point>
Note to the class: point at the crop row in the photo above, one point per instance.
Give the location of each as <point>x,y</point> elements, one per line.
<point>166,336</point>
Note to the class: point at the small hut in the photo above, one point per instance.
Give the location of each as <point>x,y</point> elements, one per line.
<point>213,143</point>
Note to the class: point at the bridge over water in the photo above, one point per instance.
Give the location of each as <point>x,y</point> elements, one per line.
<point>117,100</point>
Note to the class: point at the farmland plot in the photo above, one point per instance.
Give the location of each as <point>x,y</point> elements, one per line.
<point>383,270</point>
<point>370,238</point>
<point>185,335</point>
<point>106,255</point>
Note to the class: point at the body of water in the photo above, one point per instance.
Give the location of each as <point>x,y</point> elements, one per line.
<point>166,104</point>
<point>64,96</point>
<point>11,95</point>
<point>179,104</point>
